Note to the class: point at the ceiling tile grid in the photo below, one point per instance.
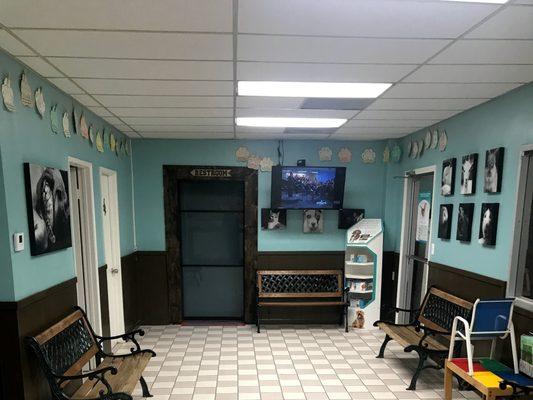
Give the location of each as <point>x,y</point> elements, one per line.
<point>170,69</point>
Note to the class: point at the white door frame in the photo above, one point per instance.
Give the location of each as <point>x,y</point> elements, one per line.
<point>403,298</point>
<point>90,248</point>
<point>116,305</point>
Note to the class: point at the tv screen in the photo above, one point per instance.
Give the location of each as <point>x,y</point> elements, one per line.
<point>307,187</point>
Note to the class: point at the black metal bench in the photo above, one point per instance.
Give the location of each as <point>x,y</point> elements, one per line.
<point>428,332</point>
<point>301,288</point>
<point>66,347</point>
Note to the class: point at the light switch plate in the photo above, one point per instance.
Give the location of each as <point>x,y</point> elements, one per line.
<point>18,242</point>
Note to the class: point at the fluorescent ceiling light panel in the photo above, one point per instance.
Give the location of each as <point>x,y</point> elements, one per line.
<point>275,122</point>
<point>312,89</point>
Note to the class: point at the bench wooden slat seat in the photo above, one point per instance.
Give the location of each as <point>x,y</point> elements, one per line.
<point>65,348</point>
<point>428,333</point>
<point>300,288</point>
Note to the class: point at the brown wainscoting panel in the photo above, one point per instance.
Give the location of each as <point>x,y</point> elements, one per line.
<point>104,300</point>
<point>467,285</point>
<point>389,282</point>
<point>129,291</point>
<point>28,317</point>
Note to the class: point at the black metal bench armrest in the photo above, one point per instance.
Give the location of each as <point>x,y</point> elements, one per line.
<point>98,375</point>
<point>127,337</point>
<point>415,323</point>
<point>433,331</point>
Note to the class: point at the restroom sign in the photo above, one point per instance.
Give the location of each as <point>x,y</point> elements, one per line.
<point>211,172</point>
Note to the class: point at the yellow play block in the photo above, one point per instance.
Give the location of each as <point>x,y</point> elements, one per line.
<point>488,379</point>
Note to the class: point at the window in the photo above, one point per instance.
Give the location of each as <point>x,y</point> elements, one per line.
<point>521,280</point>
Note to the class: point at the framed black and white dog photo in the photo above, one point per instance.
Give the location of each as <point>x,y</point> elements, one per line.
<point>464,222</point>
<point>445,221</point>
<point>272,219</point>
<point>493,170</point>
<point>313,221</point>
<point>48,208</point>
<point>348,217</point>
<point>448,177</point>
<point>469,174</point>
<point>488,227</point>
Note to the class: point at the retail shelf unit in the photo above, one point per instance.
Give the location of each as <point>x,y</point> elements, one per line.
<point>362,272</point>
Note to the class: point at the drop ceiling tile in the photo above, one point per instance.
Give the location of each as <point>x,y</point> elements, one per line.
<point>156,87</point>
<point>166,101</point>
<point>13,46</point>
<point>161,15</point>
<point>66,85</point>
<point>171,112</point>
<point>307,113</point>
<point>187,135</point>
<point>335,50</point>
<point>134,121</point>
<point>86,100</point>
<point>101,111</point>
<point>137,45</point>
<point>514,22</point>
<point>269,102</point>
<point>387,123</point>
<point>473,73</point>
<point>487,52</point>
<point>278,136</point>
<point>424,104</point>
<point>258,130</point>
<point>366,136</point>
<point>360,18</point>
<point>144,69</point>
<point>411,114</point>
<point>183,128</point>
<point>131,134</point>
<point>41,67</point>
<point>114,121</point>
<point>268,71</point>
<point>448,90</point>
<point>373,131</point>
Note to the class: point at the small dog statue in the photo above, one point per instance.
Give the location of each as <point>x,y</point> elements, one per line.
<point>359,321</point>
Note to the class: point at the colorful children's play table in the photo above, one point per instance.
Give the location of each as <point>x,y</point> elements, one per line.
<point>487,376</point>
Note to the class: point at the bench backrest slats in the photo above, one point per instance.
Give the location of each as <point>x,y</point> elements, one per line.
<point>440,308</point>
<point>68,345</point>
<point>299,283</point>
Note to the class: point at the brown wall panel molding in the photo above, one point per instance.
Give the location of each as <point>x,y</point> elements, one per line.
<point>300,260</point>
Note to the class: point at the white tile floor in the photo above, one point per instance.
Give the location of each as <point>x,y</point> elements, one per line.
<point>280,363</point>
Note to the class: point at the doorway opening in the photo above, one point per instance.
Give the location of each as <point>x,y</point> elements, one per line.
<point>211,240</point>
<point>415,245</point>
<point>110,222</point>
<point>84,239</point>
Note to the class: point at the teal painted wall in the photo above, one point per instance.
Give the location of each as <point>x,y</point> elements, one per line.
<point>6,273</point>
<point>364,186</point>
<point>506,121</point>
<point>25,137</point>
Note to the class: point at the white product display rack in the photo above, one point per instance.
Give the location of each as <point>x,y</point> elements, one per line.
<point>362,272</point>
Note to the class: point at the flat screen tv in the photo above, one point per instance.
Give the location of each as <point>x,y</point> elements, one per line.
<point>307,187</point>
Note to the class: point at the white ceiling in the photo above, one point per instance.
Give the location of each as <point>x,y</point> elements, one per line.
<point>168,69</point>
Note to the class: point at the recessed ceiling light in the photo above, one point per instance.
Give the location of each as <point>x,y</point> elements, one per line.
<point>480,1</point>
<point>312,89</point>
<point>275,122</point>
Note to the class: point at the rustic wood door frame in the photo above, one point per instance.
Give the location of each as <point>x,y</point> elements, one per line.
<point>172,176</point>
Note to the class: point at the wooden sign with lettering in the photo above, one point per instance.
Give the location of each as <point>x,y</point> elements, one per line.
<point>211,172</point>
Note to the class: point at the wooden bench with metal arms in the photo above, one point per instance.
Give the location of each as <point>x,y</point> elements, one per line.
<point>65,348</point>
<point>300,288</point>
<point>428,333</point>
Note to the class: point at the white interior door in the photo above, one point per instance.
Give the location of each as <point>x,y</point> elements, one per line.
<point>109,207</point>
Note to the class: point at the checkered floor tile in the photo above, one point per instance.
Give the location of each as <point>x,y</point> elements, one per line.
<point>280,363</point>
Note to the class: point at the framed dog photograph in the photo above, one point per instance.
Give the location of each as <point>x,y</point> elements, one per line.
<point>448,177</point>
<point>469,174</point>
<point>48,208</point>
<point>464,222</point>
<point>445,221</point>
<point>348,217</point>
<point>272,219</point>
<point>493,170</point>
<point>488,227</point>
<point>313,221</point>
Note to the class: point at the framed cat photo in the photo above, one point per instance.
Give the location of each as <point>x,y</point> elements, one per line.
<point>445,221</point>
<point>493,170</point>
<point>469,174</point>
<point>464,222</point>
<point>448,177</point>
<point>273,220</point>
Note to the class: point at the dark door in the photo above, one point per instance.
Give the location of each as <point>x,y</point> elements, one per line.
<point>212,248</point>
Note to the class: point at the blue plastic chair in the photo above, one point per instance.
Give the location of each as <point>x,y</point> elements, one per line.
<point>491,320</point>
